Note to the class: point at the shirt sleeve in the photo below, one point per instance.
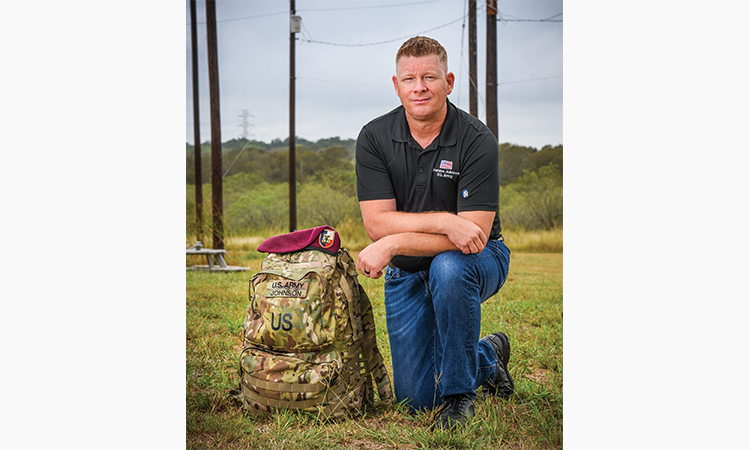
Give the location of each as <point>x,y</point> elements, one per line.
<point>373,179</point>
<point>479,183</point>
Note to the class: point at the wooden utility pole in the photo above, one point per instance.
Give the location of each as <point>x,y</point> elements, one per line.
<point>492,66</point>
<point>473,58</point>
<point>196,127</point>
<point>293,28</point>
<point>213,80</point>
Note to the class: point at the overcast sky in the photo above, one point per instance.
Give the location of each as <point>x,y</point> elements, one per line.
<point>345,60</point>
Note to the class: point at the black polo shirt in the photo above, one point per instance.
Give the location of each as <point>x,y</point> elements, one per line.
<point>457,172</point>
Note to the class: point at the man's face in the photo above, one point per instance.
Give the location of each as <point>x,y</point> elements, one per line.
<point>423,86</point>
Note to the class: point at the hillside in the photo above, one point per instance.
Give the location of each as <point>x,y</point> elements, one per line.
<point>255,185</point>
<point>269,161</point>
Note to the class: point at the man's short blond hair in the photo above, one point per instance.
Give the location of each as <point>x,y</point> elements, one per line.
<point>422,46</point>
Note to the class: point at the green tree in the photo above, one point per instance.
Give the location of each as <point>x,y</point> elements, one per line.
<point>329,160</point>
<point>306,162</point>
<point>320,204</point>
<point>265,207</point>
<point>190,167</point>
<point>547,155</point>
<point>276,167</point>
<point>238,185</point>
<point>341,180</point>
<point>190,212</point>
<point>534,201</point>
<point>336,153</point>
<point>246,159</point>
<point>348,144</point>
<point>511,162</point>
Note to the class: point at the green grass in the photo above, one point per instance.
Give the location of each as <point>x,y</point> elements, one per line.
<point>528,309</point>
<point>354,237</point>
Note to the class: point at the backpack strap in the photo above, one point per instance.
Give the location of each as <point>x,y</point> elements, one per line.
<point>299,388</point>
<point>336,398</point>
<point>371,357</point>
<point>345,259</point>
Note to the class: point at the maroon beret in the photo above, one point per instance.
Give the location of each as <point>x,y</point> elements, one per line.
<point>322,238</point>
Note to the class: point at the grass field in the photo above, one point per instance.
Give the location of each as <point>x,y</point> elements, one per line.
<point>528,308</point>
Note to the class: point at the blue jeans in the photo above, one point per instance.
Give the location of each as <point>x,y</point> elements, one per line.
<point>434,319</point>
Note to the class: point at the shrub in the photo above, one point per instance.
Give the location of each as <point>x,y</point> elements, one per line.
<point>534,201</point>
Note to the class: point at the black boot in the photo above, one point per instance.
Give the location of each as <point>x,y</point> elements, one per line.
<point>502,383</point>
<point>456,410</point>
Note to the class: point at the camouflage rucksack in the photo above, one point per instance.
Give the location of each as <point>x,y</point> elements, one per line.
<point>309,334</point>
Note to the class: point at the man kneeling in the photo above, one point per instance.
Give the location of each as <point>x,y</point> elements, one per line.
<point>428,187</point>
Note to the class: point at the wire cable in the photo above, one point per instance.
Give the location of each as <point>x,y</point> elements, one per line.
<point>532,79</point>
<point>388,85</point>
<point>501,19</point>
<point>384,42</point>
<point>369,7</point>
<point>320,9</point>
<point>261,126</point>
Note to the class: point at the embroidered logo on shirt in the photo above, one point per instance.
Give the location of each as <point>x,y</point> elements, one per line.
<point>445,170</point>
<point>465,193</point>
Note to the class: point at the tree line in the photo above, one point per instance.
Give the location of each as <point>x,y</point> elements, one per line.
<point>255,185</point>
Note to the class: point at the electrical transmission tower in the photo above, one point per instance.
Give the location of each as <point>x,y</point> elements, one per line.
<point>245,124</point>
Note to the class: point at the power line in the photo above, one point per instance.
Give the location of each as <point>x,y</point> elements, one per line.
<point>500,19</point>
<point>548,19</point>
<point>532,79</point>
<point>272,110</point>
<point>369,7</point>
<point>247,18</point>
<point>346,84</point>
<point>385,42</point>
<point>322,9</point>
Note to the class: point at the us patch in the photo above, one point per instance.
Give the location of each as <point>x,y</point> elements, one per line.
<point>283,288</point>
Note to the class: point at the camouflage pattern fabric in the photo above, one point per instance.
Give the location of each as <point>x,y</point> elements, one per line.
<point>309,338</point>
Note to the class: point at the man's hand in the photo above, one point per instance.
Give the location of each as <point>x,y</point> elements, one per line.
<point>466,235</point>
<point>373,259</point>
